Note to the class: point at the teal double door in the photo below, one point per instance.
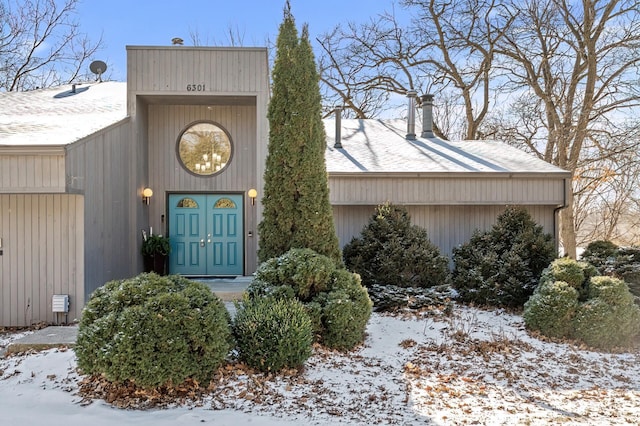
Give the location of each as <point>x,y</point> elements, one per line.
<point>206,234</point>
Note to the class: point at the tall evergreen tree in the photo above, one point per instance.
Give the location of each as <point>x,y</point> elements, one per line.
<point>297,213</point>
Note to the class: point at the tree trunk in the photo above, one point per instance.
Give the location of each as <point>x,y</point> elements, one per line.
<point>568,232</point>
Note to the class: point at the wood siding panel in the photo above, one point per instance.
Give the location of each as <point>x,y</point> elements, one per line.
<point>43,255</point>
<point>170,69</point>
<point>166,174</point>
<point>363,190</point>
<point>32,173</point>
<point>102,168</point>
<point>447,226</point>
<point>161,106</point>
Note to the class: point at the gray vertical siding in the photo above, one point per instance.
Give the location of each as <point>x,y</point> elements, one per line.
<point>32,173</point>
<point>43,255</point>
<point>221,69</point>
<point>158,93</point>
<point>166,174</point>
<point>100,167</point>
<point>447,190</point>
<point>447,226</point>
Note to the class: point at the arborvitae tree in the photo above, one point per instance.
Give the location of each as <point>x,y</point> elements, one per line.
<point>297,213</point>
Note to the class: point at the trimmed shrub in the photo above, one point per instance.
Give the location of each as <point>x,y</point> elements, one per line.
<point>153,331</point>
<point>567,270</point>
<point>501,267</point>
<point>611,290</point>
<point>551,309</point>
<point>598,310</point>
<point>272,334</point>
<point>345,311</point>
<point>293,276</point>
<point>619,262</point>
<point>392,251</point>
<point>305,271</point>
<point>599,324</point>
<point>626,266</point>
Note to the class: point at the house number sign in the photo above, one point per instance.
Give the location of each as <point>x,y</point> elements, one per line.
<point>195,88</point>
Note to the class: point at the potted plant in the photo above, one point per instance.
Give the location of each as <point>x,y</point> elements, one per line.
<point>155,250</point>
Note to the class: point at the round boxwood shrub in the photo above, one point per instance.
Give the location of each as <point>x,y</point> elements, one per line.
<point>392,251</point>
<point>291,276</point>
<point>272,334</point>
<point>153,331</point>
<point>598,310</point>
<point>501,267</point>
<point>619,262</point>
<point>551,309</point>
<point>609,318</point>
<point>305,271</point>
<point>344,312</point>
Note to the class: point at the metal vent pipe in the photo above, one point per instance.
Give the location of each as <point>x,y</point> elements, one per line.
<point>411,115</point>
<point>427,116</point>
<point>338,141</point>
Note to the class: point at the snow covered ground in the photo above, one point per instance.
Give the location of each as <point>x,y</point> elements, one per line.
<point>475,367</point>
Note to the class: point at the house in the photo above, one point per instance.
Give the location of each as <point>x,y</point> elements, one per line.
<point>180,150</point>
<point>450,188</point>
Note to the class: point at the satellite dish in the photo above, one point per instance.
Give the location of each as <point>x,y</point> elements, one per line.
<point>98,67</point>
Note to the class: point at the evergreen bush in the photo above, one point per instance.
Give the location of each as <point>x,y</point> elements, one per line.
<point>598,253</point>
<point>153,331</point>
<point>606,326</point>
<point>297,212</point>
<point>501,267</point>
<point>598,310</point>
<point>626,266</point>
<point>272,334</point>
<point>344,313</point>
<point>619,262</point>
<point>393,298</point>
<point>305,271</point>
<point>392,251</point>
<point>316,281</point>
<point>551,309</point>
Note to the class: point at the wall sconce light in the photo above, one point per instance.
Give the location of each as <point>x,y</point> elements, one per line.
<point>252,193</point>
<point>146,195</point>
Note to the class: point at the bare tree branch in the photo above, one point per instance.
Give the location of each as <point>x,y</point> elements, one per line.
<point>41,44</point>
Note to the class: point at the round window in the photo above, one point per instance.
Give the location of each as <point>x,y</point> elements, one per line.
<point>204,148</point>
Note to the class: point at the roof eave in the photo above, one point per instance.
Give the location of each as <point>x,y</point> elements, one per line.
<point>562,174</point>
<point>32,149</point>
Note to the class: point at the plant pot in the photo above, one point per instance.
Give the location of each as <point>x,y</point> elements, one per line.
<point>148,263</point>
<point>160,264</point>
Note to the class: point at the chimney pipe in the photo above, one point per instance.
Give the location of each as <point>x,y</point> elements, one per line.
<point>427,116</point>
<point>338,142</point>
<point>411,115</point>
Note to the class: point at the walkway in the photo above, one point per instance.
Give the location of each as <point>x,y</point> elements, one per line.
<point>228,289</point>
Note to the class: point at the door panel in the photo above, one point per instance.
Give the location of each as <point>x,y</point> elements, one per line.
<point>206,232</point>
<point>226,230</point>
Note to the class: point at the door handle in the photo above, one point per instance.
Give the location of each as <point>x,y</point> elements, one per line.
<point>209,240</point>
<point>201,243</point>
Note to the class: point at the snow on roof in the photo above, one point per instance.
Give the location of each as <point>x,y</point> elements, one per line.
<point>370,146</point>
<point>57,116</point>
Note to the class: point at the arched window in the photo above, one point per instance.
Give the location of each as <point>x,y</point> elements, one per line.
<point>187,203</point>
<point>224,203</point>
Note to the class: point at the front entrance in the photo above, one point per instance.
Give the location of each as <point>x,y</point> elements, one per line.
<point>206,234</point>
